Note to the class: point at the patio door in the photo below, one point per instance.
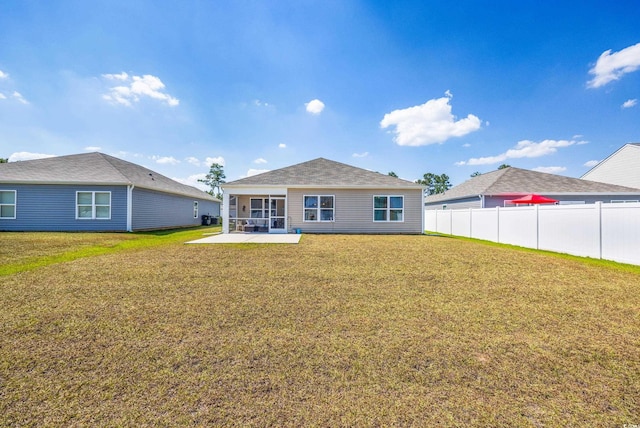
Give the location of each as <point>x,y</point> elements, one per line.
<point>277,215</point>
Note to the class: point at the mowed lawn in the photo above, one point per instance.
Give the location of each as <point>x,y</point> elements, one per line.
<point>335,331</point>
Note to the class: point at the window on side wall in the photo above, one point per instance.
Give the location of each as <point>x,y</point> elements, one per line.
<point>388,208</point>
<point>8,204</point>
<point>93,205</point>
<point>319,207</point>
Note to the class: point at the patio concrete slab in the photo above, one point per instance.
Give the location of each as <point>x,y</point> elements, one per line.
<point>250,238</point>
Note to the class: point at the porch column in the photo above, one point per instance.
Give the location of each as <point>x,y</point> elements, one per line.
<point>225,212</point>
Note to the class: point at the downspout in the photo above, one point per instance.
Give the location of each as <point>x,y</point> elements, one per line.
<point>130,207</point>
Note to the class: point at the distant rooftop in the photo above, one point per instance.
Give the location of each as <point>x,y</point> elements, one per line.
<point>92,168</point>
<point>523,181</point>
<point>323,173</point>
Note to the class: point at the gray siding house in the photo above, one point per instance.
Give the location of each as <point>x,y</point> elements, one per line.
<point>323,196</point>
<point>621,168</point>
<point>494,189</point>
<point>95,192</point>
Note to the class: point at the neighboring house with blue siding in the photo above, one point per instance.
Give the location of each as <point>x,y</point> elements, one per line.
<point>497,188</point>
<point>96,192</point>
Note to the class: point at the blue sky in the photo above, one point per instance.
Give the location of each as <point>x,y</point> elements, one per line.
<point>404,86</point>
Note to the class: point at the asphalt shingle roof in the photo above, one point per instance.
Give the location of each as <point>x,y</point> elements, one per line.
<point>92,168</point>
<point>323,173</point>
<point>515,180</point>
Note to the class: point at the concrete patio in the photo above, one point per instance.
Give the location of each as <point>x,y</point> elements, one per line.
<point>249,238</point>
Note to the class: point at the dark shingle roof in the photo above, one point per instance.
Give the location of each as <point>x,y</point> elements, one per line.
<point>515,180</point>
<point>323,173</point>
<point>92,168</point>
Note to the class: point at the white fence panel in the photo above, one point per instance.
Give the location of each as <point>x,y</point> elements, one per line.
<point>461,223</point>
<point>621,233</point>
<point>484,224</point>
<point>571,229</point>
<point>443,219</point>
<point>430,222</point>
<point>607,231</point>
<point>518,226</point>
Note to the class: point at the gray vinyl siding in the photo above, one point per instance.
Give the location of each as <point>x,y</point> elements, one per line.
<point>499,201</point>
<point>50,207</point>
<point>621,168</point>
<point>456,204</point>
<point>354,211</point>
<point>157,210</point>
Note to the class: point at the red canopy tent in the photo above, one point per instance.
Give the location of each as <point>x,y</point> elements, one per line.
<point>533,199</point>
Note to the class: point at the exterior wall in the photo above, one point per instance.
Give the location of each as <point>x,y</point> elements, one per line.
<point>354,211</point>
<point>49,207</point>
<point>157,210</point>
<point>498,201</point>
<point>621,168</point>
<point>472,202</point>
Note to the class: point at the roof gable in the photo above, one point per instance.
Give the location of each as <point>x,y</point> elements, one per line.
<point>93,168</point>
<point>520,181</point>
<point>323,173</point>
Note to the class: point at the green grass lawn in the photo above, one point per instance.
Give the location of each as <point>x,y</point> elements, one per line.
<point>335,331</point>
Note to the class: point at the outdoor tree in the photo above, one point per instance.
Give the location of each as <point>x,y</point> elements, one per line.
<point>503,166</point>
<point>393,174</point>
<point>435,183</point>
<point>214,179</point>
<point>475,174</point>
<point>4,160</point>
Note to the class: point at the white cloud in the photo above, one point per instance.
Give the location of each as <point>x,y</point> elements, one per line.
<point>122,76</point>
<point>524,149</point>
<point>591,163</point>
<point>612,66</point>
<point>193,160</point>
<point>360,155</point>
<point>210,161</point>
<point>2,96</point>
<point>165,160</point>
<point>466,145</point>
<point>429,123</point>
<point>22,156</point>
<point>93,148</point>
<point>18,96</point>
<point>4,75</point>
<point>550,169</point>
<point>315,106</point>
<point>253,171</point>
<point>260,161</point>
<point>282,146</point>
<point>145,86</point>
<point>192,180</point>
<point>629,103</point>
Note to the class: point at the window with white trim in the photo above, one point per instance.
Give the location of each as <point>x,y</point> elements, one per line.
<point>195,209</point>
<point>259,208</point>
<point>318,207</point>
<point>8,204</point>
<point>93,205</point>
<point>388,208</point>
<point>624,201</point>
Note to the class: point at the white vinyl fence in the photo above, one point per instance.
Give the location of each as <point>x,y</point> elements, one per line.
<point>601,231</point>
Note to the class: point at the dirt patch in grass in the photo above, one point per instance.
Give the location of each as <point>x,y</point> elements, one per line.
<point>334,331</point>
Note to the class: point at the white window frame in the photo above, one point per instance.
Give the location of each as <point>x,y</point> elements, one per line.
<point>264,207</point>
<point>93,205</point>
<point>14,205</point>
<point>624,201</point>
<point>318,209</point>
<point>387,210</point>
<point>195,209</point>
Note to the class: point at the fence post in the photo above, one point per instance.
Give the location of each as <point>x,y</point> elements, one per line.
<point>537,227</point>
<point>470,222</point>
<point>599,214</point>
<point>498,224</point>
